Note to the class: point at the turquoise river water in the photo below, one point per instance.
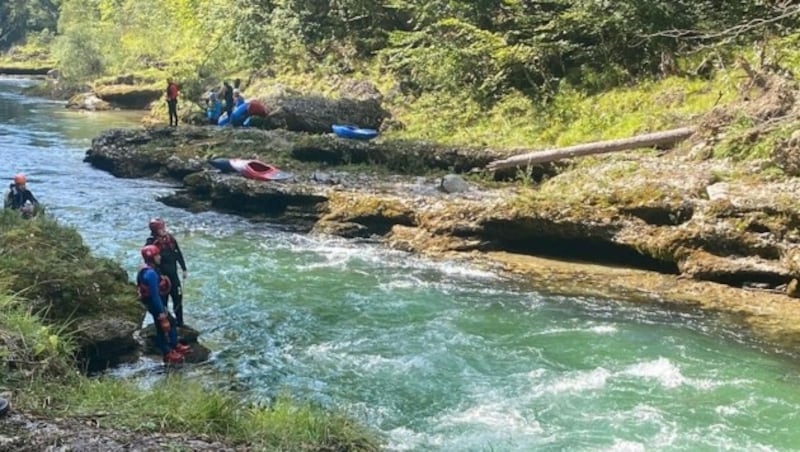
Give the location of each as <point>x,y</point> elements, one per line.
<point>434,355</point>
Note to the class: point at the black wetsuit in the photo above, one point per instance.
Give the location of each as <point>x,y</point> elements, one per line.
<point>17,198</point>
<point>229,101</point>
<point>171,257</point>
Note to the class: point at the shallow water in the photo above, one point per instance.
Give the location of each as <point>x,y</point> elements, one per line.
<point>437,356</point>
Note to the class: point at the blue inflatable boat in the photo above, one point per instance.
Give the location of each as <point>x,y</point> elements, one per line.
<point>353,132</point>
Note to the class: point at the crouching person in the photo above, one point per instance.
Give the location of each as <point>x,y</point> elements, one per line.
<point>20,198</point>
<point>151,286</point>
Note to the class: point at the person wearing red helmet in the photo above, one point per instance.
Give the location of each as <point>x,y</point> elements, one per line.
<point>19,197</point>
<point>150,287</point>
<point>172,102</point>
<point>171,257</point>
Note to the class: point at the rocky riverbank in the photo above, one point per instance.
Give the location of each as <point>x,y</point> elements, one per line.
<point>22,432</point>
<point>708,232</point>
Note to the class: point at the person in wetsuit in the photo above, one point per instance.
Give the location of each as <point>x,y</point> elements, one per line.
<point>19,197</point>
<point>172,102</point>
<point>171,257</point>
<point>150,286</point>
<point>213,108</point>
<point>227,93</point>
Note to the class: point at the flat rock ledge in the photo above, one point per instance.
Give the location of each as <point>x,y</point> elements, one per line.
<point>627,210</point>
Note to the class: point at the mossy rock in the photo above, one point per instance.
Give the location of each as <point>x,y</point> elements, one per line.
<point>87,101</point>
<point>133,97</point>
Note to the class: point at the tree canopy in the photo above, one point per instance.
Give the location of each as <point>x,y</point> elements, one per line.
<point>19,18</point>
<point>485,47</point>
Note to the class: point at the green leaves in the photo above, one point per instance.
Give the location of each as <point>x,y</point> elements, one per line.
<point>452,55</point>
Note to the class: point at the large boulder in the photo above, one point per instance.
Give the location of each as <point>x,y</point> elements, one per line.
<point>106,342</point>
<point>127,96</point>
<point>87,101</point>
<point>316,114</point>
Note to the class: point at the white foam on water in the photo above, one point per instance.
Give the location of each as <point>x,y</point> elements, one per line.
<point>465,270</point>
<point>406,282</point>
<point>404,439</point>
<point>661,370</point>
<point>604,329</point>
<point>726,410</point>
<point>366,362</point>
<point>626,446</point>
<point>594,329</point>
<point>496,416</point>
<point>536,373</point>
<point>581,381</point>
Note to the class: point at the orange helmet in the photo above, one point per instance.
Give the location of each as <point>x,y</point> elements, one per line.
<point>149,252</point>
<point>156,224</point>
<point>20,179</point>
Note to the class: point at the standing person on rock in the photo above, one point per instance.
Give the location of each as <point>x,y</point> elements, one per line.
<point>171,257</point>
<point>227,94</point>
<point>150,286</point>
<point>172,102</point>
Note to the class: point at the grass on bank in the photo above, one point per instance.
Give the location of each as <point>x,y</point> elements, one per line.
<point>515,120</point>
<point>45,382</point>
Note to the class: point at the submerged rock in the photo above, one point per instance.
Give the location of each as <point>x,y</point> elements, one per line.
<point>453,183</point>
<point>186,335</point>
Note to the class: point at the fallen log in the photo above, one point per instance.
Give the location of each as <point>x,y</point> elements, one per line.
<point>665,138</point>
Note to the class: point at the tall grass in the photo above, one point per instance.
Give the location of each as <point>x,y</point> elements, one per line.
<point>182,405</point>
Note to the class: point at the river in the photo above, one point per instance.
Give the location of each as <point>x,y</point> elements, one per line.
<point>435,355</point>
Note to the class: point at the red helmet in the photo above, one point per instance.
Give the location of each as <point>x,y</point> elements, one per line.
<point>157,224</point>
<point>149,252</point>
<point>20,179</point>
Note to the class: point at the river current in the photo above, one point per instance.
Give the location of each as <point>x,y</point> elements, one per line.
<point>434,355</point>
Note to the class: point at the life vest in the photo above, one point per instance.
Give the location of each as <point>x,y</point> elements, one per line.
<point>165,243</point>
<point>256,108</point>
<point>164,285</point>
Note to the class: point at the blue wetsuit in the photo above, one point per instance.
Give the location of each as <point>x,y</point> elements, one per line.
<point>214,111</point>
<point>147,280</point>
<point>171,257</point>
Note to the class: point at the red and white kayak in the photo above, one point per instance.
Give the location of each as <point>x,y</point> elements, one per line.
<point>251,169</point>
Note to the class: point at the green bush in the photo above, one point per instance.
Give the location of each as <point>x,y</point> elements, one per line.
<point>54,269</point>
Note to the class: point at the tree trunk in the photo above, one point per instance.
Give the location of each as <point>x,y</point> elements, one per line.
<point>666,138</point>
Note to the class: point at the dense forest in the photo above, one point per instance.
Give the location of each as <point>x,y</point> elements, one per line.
<point>478,51</point>
<point>484,46</point>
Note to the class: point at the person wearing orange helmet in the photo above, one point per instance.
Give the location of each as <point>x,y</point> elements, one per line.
<point>150,287</point>
<point>19,197</point>
<point>171,258</point>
